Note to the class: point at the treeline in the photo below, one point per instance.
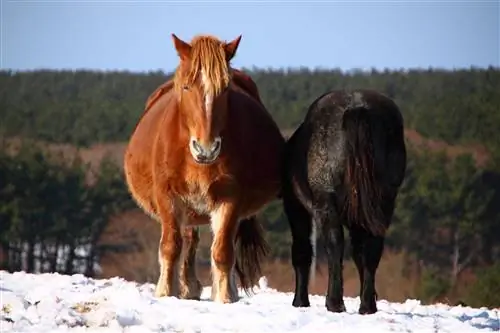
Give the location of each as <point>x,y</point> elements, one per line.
<point>447,221</point>
<point>52,213</point>
<point>447,218</point>
<point>456,106</point>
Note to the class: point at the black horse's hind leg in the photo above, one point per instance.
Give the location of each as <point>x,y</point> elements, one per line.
<point>332,231</point>
<point>367,250</point>
<point>300,224</point>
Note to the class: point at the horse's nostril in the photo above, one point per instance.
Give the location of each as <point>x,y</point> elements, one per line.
<point>216,145</point>
<point>196,146</point>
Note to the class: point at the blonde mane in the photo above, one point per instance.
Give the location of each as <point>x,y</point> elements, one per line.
<point>208,58</point>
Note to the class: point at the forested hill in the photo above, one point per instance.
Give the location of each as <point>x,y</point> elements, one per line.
<point>86,107</point>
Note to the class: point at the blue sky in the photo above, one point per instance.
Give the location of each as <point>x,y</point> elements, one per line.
<point>135,35</point>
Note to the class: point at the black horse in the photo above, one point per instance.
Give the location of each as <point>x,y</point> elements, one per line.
<point>343,167</point>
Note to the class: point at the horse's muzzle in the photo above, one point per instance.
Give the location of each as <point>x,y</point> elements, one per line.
<point>204,154</point>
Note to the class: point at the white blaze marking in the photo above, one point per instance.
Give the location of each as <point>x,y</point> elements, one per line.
<point>208,97</point>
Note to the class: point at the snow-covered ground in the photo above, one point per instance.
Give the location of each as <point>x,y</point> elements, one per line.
<point>47,303</point>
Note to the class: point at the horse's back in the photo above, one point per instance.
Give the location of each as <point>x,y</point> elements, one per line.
<point>138,160</point>
<point>255,124</point>
<point>316,152</point>
<point>158,93</point>
<point>245,82</point>
<point>140,142</point>
<point>333,105</point>
<point>328,115</point>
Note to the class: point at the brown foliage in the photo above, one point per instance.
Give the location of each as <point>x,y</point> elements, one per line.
<point>115,150</point>
<point>142,265</point>
<point>140,235</point>
<point>478,151</point>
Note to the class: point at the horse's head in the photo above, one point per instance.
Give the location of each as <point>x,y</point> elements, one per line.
<point>201,81</point>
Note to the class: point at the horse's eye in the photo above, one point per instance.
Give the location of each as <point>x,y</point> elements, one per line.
<point>185,87</point>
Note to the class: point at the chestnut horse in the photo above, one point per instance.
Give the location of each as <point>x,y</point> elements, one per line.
<point>206,151</point>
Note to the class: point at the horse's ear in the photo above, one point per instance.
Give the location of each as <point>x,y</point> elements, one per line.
<point>183,48</point>
<point>231,47</point>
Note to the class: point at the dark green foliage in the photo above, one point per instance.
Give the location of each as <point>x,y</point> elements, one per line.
<point>486,290</point>
<point>432,286</point>
<point>456,106</point>
<point>77,107</point>
<point>277,234</point>
<point>49,212</point>
<point>445,216</point>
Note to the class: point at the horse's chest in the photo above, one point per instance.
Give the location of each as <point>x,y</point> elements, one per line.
<point>197,202</point>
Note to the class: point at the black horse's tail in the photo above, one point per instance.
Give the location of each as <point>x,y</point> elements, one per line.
<point>363,191</point>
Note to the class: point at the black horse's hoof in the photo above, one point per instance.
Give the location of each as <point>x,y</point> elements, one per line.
<point>335,307</point>
<point>365,309</point>
<point>301,303</point>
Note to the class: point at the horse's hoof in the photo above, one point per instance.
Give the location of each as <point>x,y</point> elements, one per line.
<point>159,293</point>
<point>227,300</point>
<point>164,293</point>
<point>300,303</point>
<point>366,310</point>
<point>193,294</point>
<point>191,297</point>
<point>337,308</point>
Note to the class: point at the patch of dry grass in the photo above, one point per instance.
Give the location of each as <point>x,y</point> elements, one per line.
<point>85,307</point>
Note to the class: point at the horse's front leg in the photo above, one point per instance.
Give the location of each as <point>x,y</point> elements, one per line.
<point>190,285</point>
<point>224,222</point>
<point>169,250</point>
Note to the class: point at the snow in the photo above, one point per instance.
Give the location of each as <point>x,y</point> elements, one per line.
<point>53,303</point>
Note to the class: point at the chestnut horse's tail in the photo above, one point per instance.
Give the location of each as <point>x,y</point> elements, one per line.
<point>251,248</point>
<point>364,193</point>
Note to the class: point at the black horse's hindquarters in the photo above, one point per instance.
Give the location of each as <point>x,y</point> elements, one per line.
<point>343,166</point>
